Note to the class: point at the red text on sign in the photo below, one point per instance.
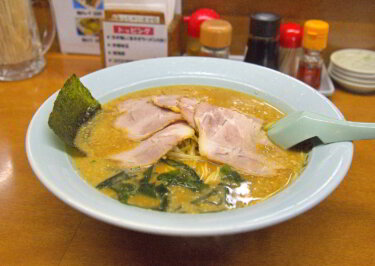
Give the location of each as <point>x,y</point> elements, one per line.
<point>133,30</point>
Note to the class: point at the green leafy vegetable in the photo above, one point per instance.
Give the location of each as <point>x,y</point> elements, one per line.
<point>148,190</point>
<point>117,178</point>
<point>230,177</point>
<point>145,187</point>
<point>125,186</point>
<point>124,191</point>
<point>164,203</point>
<point>147,174</point>
<point>181,178</point>
<point>228,197</point>
<point>162,193</point>
<point>73,107</point>
<point>214,197</point>
<point>117,183</point>
<point>181,166</point>
<point>153,190</point>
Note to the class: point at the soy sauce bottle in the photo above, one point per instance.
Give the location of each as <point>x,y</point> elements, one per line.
<point>263,43</point>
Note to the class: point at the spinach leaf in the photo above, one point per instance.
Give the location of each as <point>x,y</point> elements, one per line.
<point>117,178</point>
<point>182,166</point>
<point>169,177</point>
<point>145,187</point>
<point>230,177</point>
<point>164,203</point>
<point>117,183</point>
<point>148,190</point>
<point>153,190</point>
<point>147,174</point>
<point>120,183</point>
<point>228,197</point>
<point>125,191</point>
<point>215,197</point>
<point>157,192</point>
<point>162,191</point>
<point>181,178</point>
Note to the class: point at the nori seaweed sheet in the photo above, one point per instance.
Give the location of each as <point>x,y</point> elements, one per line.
<point>73,107</point>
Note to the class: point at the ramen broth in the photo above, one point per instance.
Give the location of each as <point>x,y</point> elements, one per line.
<point>220,187</point>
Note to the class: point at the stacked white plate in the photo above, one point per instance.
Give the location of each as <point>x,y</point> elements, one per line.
<point>353,69</point>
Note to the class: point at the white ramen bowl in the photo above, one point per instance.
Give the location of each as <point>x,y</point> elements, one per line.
<point>327,164</point>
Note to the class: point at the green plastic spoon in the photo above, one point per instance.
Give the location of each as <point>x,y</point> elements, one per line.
<point>299,126</point>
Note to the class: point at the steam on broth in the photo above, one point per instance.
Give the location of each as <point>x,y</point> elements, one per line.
<point>194,176</point>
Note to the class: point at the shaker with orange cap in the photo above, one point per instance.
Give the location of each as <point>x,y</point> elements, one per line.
<point>215,38</point>
<point>315,36</point>
<point>194,23</point>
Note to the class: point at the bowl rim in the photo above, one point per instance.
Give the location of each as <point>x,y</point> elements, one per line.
<point>228,222</point>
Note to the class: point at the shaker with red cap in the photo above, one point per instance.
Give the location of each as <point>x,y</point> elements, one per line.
<point>194,22</point>
<point>290,47</point>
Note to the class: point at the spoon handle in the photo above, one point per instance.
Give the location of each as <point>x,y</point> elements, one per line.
<point>339,130</point>
<point>333,130</point>
<point>300,126</point>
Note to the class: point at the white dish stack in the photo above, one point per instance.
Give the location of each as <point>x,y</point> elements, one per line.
<point>353,69</point>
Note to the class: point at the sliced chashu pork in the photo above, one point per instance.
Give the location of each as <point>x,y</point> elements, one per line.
<point>167,101</point>
<point>142,118</point>
<point>187,108</point>
<point>184,105</point>
<point>152,149</point>
<point>229,137</point>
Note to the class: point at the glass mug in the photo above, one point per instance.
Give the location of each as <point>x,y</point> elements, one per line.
<point>22,47</point>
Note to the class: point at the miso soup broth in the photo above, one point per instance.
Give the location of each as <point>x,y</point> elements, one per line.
<point>183,180</point>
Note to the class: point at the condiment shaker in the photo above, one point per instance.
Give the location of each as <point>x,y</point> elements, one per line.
<point>263,43</point>
<point>215,38</point>
<point>315,36</point>
<point>193,28</point>
<point>290,48</point>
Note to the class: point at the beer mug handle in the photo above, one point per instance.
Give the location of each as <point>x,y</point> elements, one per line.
<point>47,34</point>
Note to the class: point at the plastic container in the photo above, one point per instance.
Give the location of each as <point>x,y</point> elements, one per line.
<point>315,36</point>
<point>215,38</point>
<point>263,43</point>
<point>290,49</point>
<point>194,22</point>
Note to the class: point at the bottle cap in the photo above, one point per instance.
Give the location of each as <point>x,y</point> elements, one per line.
<point>265,24</point>
<point>315,34</point>
<point>195,20</point>
<point>216,33</point>
<point>290,35</point>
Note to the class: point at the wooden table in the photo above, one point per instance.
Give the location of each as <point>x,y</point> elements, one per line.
<point>38,229</point>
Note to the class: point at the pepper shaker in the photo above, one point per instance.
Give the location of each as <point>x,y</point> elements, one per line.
<point>290,48</point>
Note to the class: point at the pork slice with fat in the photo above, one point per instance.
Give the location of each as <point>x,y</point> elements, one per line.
<point>229,137</point>
<point>187,107</point>
<point>167,101</point>
<point>141,118</point>
<point>152,149</point>
<point>179,104</point>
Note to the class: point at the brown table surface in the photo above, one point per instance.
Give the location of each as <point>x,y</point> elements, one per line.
<point>36,228</point>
